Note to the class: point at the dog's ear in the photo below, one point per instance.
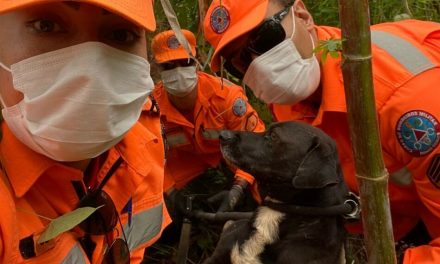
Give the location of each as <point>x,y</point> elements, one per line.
<point>318,168</point>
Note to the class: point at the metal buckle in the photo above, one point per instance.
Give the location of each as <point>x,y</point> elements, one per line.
<point>354,201</point>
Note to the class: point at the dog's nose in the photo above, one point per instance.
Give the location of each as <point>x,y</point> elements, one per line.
<point>227,137</point>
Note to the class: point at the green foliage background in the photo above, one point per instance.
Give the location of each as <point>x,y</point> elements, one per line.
<point>325,12</point>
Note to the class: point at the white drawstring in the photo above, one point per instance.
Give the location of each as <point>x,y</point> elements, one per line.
<point>217,116</point>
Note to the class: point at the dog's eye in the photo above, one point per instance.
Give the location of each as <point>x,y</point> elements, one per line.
<point>272,136</point>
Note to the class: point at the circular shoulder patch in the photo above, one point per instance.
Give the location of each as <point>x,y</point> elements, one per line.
<point>239,107</point>
<point>418,132</point>
<point>172,42</point>
<point>219,19</point>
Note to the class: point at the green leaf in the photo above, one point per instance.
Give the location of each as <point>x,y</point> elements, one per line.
<point>334,54</point>
<point>324,56</point>
<point>66,222</point>
<point>331,45</point>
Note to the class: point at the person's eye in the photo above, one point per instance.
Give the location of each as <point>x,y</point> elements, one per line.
<point>124,36</point>
<point>168,65</point>
<point>44,26</point>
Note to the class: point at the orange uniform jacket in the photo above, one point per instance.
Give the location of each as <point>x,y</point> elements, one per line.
<point>36,185</point>
<point>406,74</point>
<point>194,147</point>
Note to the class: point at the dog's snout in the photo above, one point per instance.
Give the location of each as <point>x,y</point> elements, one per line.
<point>227,137</point>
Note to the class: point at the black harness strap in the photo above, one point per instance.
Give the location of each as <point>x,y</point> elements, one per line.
<point>350,209</point>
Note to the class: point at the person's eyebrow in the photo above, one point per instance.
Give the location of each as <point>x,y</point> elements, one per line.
<point>73,5</point>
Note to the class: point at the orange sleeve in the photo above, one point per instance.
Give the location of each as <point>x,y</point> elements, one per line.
<point>242,117</point>
<point>168,182</point>
<point>427,254</point>
<point>8,227</point>
<point>410,134</point>
<point>244,175</point>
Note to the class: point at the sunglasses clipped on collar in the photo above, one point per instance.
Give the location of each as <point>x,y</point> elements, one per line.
<point>261,39</point>
<point>102,222</point>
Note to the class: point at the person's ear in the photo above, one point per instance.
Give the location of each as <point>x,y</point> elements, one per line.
<point>302,13</point>
<point>318,169</point>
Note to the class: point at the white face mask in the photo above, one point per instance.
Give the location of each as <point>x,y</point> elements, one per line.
<point>78,101</point>
<point>281,76</point>
<point>180,81</point>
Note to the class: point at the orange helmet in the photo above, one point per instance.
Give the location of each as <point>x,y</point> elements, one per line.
<point>166,47</point>
<point>139,12</point>
<point>226,20</point>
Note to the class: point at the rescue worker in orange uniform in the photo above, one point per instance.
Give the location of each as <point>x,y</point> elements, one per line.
<point>270,45</point>
<point>78,130</point>
<point>195,106</point>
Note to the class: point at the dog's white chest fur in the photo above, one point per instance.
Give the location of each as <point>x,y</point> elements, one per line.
<point>267,230</point>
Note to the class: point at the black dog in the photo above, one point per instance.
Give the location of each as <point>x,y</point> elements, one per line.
<point>297,170</point>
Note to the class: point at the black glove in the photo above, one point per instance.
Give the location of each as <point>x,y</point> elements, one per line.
<point>229,199</point>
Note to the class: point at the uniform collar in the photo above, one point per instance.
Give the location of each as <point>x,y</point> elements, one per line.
<point>25,166</point>
<point>332,85</point>
<point>205,92</point>
<point>167,110</point>
<point>134,150</point>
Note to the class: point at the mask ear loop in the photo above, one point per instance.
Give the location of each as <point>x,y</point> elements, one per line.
<point>313,42</point>
<point>4,67</point>
<point>294,28</point>
<point>9,70</point>
<point>293,23</point>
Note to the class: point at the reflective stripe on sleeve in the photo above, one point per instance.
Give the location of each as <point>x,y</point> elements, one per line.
<point>408,55</point>
<point>177,139</point>
<point>402,177</point>
<point>75,256</point>
<point>144,226</point>
<point>210,133</point>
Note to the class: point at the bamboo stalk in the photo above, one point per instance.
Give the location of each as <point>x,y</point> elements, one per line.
<point>371,174</point>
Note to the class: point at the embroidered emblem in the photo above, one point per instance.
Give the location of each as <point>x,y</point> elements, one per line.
<point>251,122</point>
<point>239,107</point>
<point>418,132</point>
<point>172,42</point>
<point>219,19</point>
<point>433,171</point>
